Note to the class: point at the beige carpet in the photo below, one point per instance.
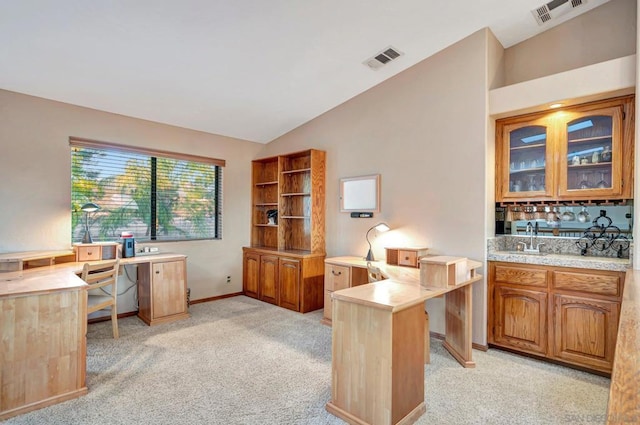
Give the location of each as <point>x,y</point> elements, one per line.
<point>241,361</point>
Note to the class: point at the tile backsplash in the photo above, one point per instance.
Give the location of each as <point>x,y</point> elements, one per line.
<point>553,245</point>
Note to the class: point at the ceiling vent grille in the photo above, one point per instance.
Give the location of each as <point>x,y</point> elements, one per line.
<point>554,9</point>
<point>382,58</point>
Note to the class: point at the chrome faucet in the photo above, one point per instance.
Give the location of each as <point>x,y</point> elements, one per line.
<point>530,231</point>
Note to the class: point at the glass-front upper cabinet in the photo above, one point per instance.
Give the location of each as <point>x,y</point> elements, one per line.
<point>581,153</point>
<point>591,154</point>
<point>526,159</point>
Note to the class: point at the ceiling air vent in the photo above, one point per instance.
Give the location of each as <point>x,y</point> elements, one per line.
<point>382,58</point>
<point>554,9</point>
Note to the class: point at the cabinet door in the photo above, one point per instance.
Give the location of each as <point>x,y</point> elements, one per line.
<point>524,162</point>
<point>269,278</point>
<point>585,331</point>
<point>289,274</point>
<point>251,274</point>
<point>169,291</point>
<point>520,319</point>
<point>590,154</point>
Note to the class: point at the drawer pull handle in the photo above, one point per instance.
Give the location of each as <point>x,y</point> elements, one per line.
<point>89,253</point>
<point>406,258</point>
<point>333,272</point>
<point>157,271</point>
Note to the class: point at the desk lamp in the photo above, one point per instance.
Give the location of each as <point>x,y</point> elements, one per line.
<point>89,207</point>
<point>380,227</point>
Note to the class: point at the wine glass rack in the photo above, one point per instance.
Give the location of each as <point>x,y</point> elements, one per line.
<point>601,236</point>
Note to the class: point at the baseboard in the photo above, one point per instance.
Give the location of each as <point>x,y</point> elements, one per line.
<point>135,313</point>
<point>105,318</point>
<point>554,361</point>
<point>219,297</point>
<point>477,346</point>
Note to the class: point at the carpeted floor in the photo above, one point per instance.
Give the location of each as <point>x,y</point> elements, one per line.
<point>241,361</point>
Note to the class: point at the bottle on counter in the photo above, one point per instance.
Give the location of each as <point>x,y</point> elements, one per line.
<point>606,154</point>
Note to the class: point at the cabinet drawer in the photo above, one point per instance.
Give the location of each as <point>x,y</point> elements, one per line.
<point>521,276</point>
<point>336,277</point>
<point>89,253</point>
<point>593,283</point>
<point>10,265</point>
<point>408,258</point>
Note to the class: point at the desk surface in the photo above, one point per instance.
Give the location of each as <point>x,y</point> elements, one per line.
<point>61,277</point>
<point>401,290</point>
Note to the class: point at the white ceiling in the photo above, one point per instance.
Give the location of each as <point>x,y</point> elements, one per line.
<point>251,69</point>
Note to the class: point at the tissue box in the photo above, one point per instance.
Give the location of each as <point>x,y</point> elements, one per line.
<point>443,271</point>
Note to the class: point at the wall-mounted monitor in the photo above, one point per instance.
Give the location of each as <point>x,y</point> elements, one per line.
<point>360,194</point>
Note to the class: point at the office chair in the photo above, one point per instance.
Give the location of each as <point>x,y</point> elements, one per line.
<point>100,275</point>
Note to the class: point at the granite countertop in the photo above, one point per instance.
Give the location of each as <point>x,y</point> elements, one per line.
<point>562,260</point>
<point>561,252</point>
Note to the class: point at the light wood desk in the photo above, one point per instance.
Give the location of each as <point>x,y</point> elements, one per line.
<point>43,318</point>
<point>378,343</point>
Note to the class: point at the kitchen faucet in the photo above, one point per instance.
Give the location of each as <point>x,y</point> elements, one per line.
<point>531,229</point>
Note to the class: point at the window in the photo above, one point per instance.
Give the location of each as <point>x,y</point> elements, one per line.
<point>156,195</point>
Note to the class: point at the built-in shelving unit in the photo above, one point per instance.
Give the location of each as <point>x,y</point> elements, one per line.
<point>284,264</point>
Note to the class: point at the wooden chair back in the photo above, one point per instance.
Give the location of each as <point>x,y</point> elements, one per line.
<point>100,275</point>
<point>374,273</point>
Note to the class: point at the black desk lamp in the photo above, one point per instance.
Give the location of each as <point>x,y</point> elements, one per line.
<point>380,227</point>
<point>89,207</point>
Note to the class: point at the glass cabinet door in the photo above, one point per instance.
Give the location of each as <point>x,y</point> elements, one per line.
<point>526,158</point>
<point>591,154</point>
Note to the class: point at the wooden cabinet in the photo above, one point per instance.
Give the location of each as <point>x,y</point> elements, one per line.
<point>43,350</point>
<point>269,287</point>
<point>287,279</point>
<point>96,251</point>
<point>586,309</point>
<point>519,297</point>
<point>377,363</point>
<point>585,330</point>
<point>409,257</point>
<point>580,153</point>
<point>289,270</point>
<point>520,319</point>
<point>336,277</point>
<point>565,314</point>
<point>284,266</point>
<point>162,291</point>
<point>251,274</point>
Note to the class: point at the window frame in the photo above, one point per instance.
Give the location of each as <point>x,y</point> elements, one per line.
<point>153,155</point>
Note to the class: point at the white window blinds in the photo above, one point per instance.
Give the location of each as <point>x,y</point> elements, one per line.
<point>155,195</point>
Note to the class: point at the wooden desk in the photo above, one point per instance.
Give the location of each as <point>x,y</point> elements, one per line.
<point>43,350</point>
<point>43,313</point>
<point>378,342</point>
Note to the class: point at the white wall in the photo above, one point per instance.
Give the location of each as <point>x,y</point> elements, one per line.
<point>35,182</point>
<point>604,33</point>
<point>425,132</point>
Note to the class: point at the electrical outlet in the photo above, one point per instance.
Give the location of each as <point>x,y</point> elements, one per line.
<point>228,279</point>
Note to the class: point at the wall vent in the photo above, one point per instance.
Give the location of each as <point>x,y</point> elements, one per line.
<point>382,58</point>
<point>554,9</point>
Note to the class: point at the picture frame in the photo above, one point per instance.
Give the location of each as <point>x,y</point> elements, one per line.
<point>360,194</point>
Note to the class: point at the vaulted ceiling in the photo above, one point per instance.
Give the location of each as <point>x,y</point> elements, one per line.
<point>250,69</point>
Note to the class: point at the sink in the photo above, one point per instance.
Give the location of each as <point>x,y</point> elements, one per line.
<point>527,253</point>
